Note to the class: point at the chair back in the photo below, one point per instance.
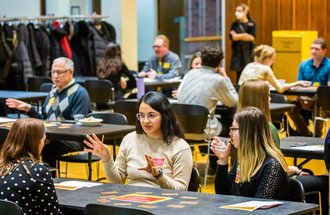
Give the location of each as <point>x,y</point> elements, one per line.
<point>323,97</point>
<point>128,108</point>
<point>296,191</point>
<point>193,118</point>
<point>195,180</point>
<point>98,209</point>
<point>34,83</point>
<point>100,92</point>
<point>278,98</point>
<point>9,207</point>
<point>327,150</point>
<point>46,87</point>
<point>110,118</point>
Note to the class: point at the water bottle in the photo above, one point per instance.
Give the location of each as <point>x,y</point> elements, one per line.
<point>140,87</point>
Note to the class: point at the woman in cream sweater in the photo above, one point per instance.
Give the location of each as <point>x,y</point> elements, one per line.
<point>155,155</point>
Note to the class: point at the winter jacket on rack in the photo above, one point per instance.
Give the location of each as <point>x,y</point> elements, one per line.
<point>32,49</point>
<point>43,47</point>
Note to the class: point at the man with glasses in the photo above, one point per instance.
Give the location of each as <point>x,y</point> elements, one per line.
<point>317,71</point>
<point>164,64</point>
<point>65,99</point>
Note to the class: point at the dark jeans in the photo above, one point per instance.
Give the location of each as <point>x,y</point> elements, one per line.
<point>316,183</point>
<point>300,119</point>
<point>55,148</point>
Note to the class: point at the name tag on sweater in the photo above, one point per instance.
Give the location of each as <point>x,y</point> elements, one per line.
<point>51,100</point>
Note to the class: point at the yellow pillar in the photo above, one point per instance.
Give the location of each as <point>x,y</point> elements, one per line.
<point>129,33</point>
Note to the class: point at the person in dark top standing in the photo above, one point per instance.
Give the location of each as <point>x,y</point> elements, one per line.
<point>65,99</point>
<point>260,169</point>
<point>242,33</point>
<point>112,67</point>
<point>24,179</point>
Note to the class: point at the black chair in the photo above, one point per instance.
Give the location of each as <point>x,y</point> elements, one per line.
<point>46,87</point>
<point>327,155</point>
<point>195,181</point>
<point>34,83</point>
<point>101,93</point>
<point>128,108</point>
<point>327,151</point>
<point>279,118</point>
<point>84,157</point>
<point>322,103</point>
<point>98,209</point>
<point>193,119</point>
<point>296,191</point>
<point>9,207</point>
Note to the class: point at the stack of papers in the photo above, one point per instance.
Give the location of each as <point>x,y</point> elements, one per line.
<point>74,185</point>
<point>253,205</point>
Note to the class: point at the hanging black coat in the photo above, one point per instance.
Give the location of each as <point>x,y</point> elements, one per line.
<point>43,46</point>
<point>24,70</point>
<point>32,49</point>
<point>82,48</point>
<point>98,47</point>
<point>5,57</point>
<point>108,32</point>
<point>56,33</point>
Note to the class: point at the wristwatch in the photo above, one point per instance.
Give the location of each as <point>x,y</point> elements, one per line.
<point>161,171</point>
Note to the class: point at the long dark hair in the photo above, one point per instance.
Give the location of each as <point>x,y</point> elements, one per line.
<point>170,125</point>
<point>111,62</point>
<point>22,142</point>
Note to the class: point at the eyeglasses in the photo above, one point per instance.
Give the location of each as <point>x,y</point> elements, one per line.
<point>59,72</point>
<point>157,46</point>
<point>315,48</point>
<point>149,116</point>
<point>232,128</point>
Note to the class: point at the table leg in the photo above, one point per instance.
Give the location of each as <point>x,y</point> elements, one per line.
<point>89,166</point>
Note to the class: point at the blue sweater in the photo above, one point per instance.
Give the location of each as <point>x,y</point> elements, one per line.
<point>64,104</point>
<point>167,69</point>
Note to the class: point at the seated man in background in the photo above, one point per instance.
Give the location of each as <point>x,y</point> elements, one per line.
<point>66,99</point>
<point>317,71</point>
<point>164,64</point>
<point>207,86</point>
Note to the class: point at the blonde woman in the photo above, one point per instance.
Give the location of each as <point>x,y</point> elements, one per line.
<point>264,57</point>
<point>261,168</point>
<point>255,93</point>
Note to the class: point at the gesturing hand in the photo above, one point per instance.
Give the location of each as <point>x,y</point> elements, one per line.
<point>17,104</point>
<point>96,147</point>
<point>151,166</point>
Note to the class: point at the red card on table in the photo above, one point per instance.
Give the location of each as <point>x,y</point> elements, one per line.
<point>141,198</point>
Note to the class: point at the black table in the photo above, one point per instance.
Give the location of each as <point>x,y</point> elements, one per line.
<point>298,92</point>
<point>76,201</point>
<point>275,108</point>
<point>27,96</point>
<point>163,83</point>
<point>289,148</point>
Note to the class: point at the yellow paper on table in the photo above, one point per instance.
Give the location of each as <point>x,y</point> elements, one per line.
<point>253,205</point>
